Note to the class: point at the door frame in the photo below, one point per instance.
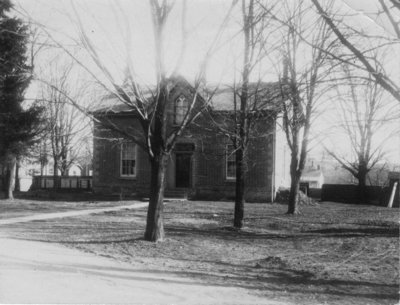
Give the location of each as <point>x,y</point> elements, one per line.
<point>190,171</point>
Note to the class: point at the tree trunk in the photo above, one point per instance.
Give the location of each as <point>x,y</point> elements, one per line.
<point>55,174</point>
<point>3,181</point>
<point>10,177</point>
<point>154,225</point>
<point>17,182</point>
<point>43,159</point>
<point>293,195</point>
<point>362,197</point>
<point>240,190</point>
<point>41,168</point>
<point>64,165</point>
<point>243,122</point>
<point>64,171</point>
<point>294,185</point>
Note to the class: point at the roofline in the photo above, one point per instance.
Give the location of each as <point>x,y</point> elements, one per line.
<point>98,113</point>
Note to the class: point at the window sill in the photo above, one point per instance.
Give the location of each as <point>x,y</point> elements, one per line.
<point>127,177</point>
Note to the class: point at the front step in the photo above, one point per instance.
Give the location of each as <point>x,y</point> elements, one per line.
<point>176,193</point>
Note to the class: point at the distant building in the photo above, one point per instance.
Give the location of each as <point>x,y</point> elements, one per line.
<point>334,173</point>
<point>313,177</point>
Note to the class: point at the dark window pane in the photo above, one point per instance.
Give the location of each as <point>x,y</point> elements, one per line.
<point>128,159</point>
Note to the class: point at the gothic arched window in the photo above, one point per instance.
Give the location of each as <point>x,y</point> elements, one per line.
<point>181,108</point>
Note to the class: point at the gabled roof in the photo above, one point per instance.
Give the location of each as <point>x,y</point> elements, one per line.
<point>262,96</point>
<point>312,173</point>
<point>111,103</point>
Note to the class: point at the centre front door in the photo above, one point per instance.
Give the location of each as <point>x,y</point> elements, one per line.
<point>183,169</point>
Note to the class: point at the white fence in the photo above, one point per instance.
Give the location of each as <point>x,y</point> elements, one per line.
<point>60,182</point>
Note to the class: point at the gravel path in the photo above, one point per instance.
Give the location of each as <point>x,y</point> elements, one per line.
<point>44,216</point>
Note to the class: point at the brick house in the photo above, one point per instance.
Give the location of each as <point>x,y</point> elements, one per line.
<point>202,164</point>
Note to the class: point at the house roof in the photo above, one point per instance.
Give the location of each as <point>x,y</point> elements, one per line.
<point>262,96</point>
<point>312,173</point>
<point>111,103</point>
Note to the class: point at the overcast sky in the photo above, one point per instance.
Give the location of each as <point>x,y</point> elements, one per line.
<point>109,23</point>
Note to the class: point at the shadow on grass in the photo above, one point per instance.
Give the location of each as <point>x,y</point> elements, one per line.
<point>293,281</point>
<point>226,233</point>
<point>269,279</point>
<point>81,242</point>
<point>72,196</point>
<point>101,242</point>
<point>354,232</point>
<point>229,233</point>
<point>216,232</point>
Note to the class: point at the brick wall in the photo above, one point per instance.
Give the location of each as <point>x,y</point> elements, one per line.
<point>106,160</point>
<point>208,161</point>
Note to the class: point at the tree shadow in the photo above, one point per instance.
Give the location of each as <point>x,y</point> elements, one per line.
<point>82,242</point>
<point>226,233</point>
<point>73,196</point>
<point>267,279</point>
<point>281,278</point>
<point>354,232</point>
<point>230,233</point>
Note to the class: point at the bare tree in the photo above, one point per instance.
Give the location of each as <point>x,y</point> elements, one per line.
<point>364,114</point>
<point>150,103</point>
<point>40,152</point>
<point>241,124</point>
<point>391,9</point>
<point>66,126</point>
<point>378,175</point>
<point>306,67</point>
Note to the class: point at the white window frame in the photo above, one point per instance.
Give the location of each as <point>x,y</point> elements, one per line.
<point>121,160</point>
<point>229,153</point>
<point>183,107</point>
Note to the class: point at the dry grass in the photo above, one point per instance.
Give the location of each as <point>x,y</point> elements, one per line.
<point>24,207</point>
<point>330,254</point>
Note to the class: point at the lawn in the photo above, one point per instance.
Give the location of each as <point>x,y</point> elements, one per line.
<point>330,254</point>
<point>25,207</point>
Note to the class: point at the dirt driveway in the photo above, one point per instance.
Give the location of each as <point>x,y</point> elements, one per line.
<point>39,272</point>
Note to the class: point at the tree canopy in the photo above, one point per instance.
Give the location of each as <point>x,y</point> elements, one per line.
<point>18,126</point>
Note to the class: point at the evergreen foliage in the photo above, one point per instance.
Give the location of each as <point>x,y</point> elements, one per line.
<point>19,126</point>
